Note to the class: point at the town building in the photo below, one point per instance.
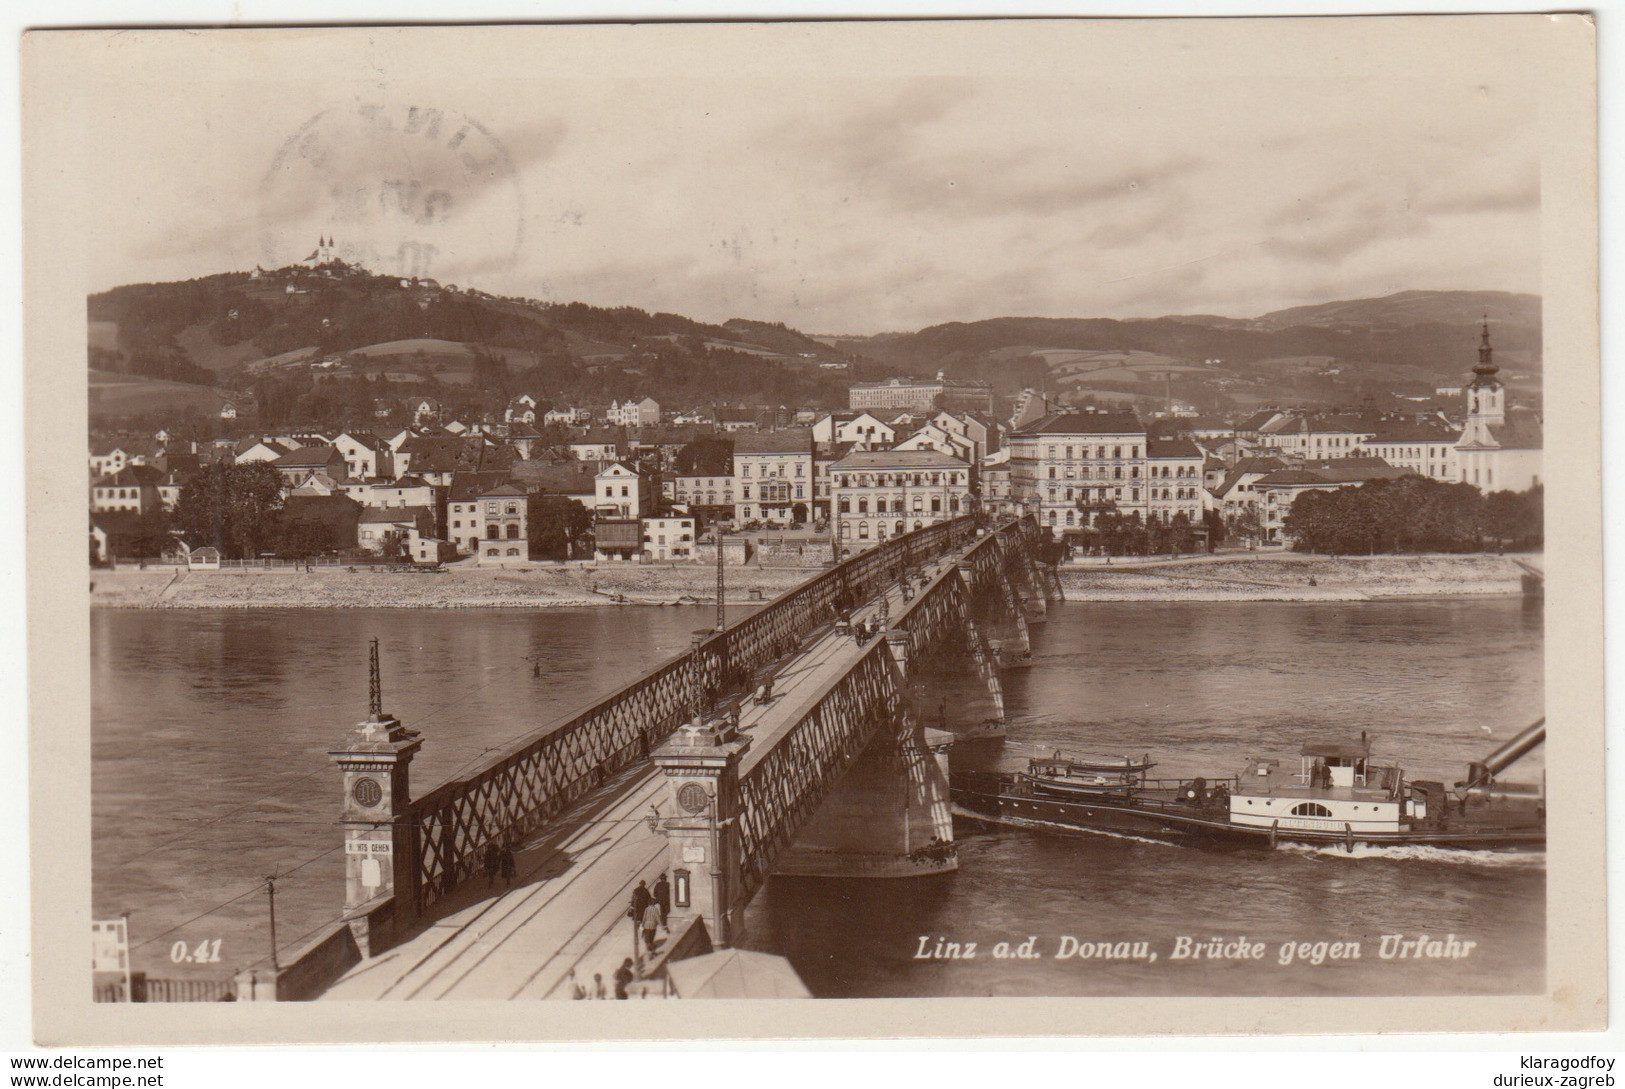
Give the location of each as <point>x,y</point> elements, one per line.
<point>924,395</point>
<point>297,466</point>
<point>387,531</point>
<point>1426,448</point>
<point>715,493</point>
<point>617,538</point>
<point>621,493</point>
<point>864,427</point>
<point>465,521</point>
<point>502,517</point>
<point>1067,469</point>
<point>132,488</point>
<point>1314,437</point>
<point>366,456</point>
<point>668,538</point>
<point>629,413</point>
<point>994,481</point>
<point>773,476</point>
<point>881,494</point>
<point>1173,470</point>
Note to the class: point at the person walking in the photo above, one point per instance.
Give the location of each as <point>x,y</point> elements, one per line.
<point>598,986</point>
<point>493,863</point>
<point>509,864</point>
<point>640,900</point>
<point>651,923</point>
<point>662,895</point>
<point>623,977</point>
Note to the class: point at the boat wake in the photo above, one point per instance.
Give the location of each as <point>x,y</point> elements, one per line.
<point>1455,856</point>
<point>1070,829</point>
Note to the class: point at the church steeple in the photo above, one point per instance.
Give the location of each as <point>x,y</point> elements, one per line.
<point>1486,399</point>
<point>1486,368</point>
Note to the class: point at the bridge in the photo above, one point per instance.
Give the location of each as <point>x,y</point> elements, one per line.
<point>784,743</point>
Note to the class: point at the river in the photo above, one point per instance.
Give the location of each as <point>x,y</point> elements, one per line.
<point>211,730</point>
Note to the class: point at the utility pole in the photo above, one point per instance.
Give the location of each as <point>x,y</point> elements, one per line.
<point>722,609</point>
<point>270,891</point>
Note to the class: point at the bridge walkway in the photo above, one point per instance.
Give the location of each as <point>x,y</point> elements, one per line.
<point>567,908</point>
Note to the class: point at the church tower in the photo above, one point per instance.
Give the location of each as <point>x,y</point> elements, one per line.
<point>1486,399</point>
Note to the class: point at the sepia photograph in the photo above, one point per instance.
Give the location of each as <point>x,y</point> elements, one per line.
<point>861,513</point>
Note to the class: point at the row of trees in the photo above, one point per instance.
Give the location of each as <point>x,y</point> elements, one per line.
<point>1116,534</point>
<point>1415,514</point>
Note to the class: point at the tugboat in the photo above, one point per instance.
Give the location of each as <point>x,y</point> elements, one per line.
<point>1339,797</point>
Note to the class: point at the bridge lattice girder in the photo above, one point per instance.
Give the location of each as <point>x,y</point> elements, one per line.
<point>519,789</point>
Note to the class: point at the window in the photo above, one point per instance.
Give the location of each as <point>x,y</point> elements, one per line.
<point>490,508</point>
<point>863,528</point>
<point>1310,809</point>
<point>513,508</point>
<point>513,552</point>
<point>513,532</point>
<point>491,534</point>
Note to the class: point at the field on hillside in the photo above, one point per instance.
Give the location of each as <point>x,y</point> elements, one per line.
<point>113,395</point>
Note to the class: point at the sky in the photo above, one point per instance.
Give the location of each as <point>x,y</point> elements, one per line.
<point>839,179</point>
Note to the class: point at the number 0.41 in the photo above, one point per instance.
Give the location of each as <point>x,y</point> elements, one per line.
<point>205,952</point>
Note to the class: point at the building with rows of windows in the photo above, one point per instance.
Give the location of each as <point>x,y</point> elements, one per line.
<point>1067,469</point>
<point>922,395</point>
<point>773,476</point>
<point>880,494</point>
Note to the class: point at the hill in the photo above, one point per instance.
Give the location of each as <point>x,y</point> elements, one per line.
<point>363,338</point>
<point>1340,351</point>
<point>1414,308</point>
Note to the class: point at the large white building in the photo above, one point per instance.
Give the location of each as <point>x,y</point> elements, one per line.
<point>773,476</point>
<point>1426,449</point>
<point>881,494</point>
<point>922,394</point>
<point>1067,469</point>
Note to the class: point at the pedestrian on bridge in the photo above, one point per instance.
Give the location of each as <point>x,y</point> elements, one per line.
<point>509,865</point>
<point>492,862</point>
<point>640,900</point>
<point>623,977</point>
<point>651,923</point>
<point>662,895</point>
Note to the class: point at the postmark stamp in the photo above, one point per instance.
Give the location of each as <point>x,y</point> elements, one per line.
<point>410,190</point>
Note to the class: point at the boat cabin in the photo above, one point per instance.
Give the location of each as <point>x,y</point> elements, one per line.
<point>1334,764</point>
<point>1338,788</point>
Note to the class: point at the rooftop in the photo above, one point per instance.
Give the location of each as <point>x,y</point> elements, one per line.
<point>899,459</point>
<point>1085,423</point>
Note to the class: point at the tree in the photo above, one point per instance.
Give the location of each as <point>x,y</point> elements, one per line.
<point>1515,518</point>
<point>301,538</point>
<point>151,535</point>
<point>235,508</point>
<point>560,527</point>
<point>706,456</point>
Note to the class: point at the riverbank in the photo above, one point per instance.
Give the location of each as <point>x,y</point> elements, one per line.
<point>1239,577</point>
<point>541,587</point>
<point>1297,577</point>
